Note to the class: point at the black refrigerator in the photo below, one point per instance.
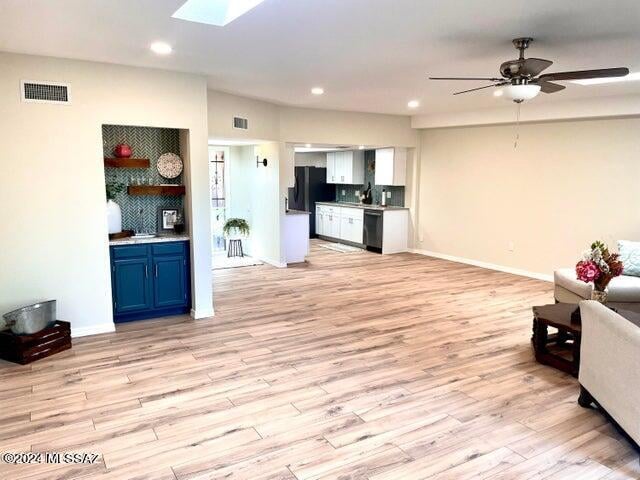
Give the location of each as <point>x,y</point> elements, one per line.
<point>310,187</point>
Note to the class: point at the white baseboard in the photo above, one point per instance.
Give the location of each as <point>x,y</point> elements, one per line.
<point>202,313</point>
<point>491,266</point>
<point>92,330</point>
<point>273,263</point>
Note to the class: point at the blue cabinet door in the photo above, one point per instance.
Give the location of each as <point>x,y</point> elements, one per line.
<point>169,283</point>
<point>131,285</point>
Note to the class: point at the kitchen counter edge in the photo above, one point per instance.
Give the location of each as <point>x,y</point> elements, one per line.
<point>362,205</point>
<point>138,241</point>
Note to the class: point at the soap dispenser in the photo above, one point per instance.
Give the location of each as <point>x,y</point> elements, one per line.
<point>383,202</point>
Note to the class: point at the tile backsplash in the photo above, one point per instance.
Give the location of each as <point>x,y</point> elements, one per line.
<point>397,193</point>
<point>146,142</point>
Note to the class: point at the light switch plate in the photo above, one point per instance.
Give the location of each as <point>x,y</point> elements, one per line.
<point>357,193</point>
<point>388,194</point>
<point>344,192</point>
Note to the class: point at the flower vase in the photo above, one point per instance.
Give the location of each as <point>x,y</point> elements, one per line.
<point>114,217</point>
<point>599,296</point>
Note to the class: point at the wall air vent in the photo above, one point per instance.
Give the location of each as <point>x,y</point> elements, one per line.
<point>241,123</point>
<point>45,92</point>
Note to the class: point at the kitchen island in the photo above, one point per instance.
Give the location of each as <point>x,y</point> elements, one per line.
<point>296,236</point>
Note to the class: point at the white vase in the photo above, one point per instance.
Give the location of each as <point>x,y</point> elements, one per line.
<point>114,217</point>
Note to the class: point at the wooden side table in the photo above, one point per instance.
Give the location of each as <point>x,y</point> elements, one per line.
<point>566,340</point>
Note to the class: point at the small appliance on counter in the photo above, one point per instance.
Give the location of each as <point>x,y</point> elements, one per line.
<point>367,197</point>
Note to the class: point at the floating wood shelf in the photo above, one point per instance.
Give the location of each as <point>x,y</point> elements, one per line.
<point>172,190</point>
<point>127,162</point>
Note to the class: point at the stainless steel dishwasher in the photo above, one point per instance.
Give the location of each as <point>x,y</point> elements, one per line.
<point>373,230</point>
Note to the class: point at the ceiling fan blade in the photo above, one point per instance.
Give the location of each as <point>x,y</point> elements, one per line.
<point>481,88</point>
<point>488,79</point>
<point>533,66</point>
<point>584,74</point>
<point>548,87</point>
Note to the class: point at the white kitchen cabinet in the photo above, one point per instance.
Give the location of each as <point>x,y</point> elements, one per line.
<point>351,224</point>
<point>345,167</point>
<point>391,166</point>
<point>319,221</point>
<point>328,221</point>
<point>331,167</point>
<point>395,231</point>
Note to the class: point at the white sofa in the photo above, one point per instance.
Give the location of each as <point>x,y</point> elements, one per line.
<point>623,291</point>
<point>610,365</point>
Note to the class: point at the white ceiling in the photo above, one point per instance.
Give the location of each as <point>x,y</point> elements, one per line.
<point>369,55</point>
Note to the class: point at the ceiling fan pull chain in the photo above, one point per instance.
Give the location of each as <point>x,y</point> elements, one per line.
<point>515,143</point>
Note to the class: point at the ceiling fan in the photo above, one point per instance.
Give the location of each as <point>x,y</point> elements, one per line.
<point>520,77</point>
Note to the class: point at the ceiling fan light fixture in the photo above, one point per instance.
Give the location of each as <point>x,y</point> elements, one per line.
<point>520,93</point>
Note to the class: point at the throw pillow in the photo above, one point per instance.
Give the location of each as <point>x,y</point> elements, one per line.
<point>630,256</point>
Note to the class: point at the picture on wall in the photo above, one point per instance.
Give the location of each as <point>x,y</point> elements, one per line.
<point>167,218</point>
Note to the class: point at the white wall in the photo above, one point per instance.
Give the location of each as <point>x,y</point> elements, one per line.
<point>538,110</point>
<point>271,122</point>
<point>307,125</point>
<point>567,184</point>
<point>241,164</point>
<point>264,122</point>
<point>54,244</point>
<point>265,205</point>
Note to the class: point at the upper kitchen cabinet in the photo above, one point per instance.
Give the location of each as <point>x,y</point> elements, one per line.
<point>346,167</point>
<point>391,166</point>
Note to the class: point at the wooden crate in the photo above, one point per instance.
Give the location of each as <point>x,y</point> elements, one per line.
<point>24,349</point>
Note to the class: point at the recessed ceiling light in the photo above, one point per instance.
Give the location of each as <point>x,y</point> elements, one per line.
<point>413,104</point>
<point>214,12</point>
<point>317,90</point>
<point>498,93</point>
<point>599,81</point>
<point>361,147</point>
<point>161,48</point>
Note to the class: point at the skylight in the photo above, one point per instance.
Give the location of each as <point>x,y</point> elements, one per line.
<point>214,12</point>
<point>598,81</point>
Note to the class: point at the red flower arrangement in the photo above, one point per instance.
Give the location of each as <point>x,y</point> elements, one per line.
<point>599,266</point>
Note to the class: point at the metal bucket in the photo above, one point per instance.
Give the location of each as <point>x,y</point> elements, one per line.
<point>32,318</point>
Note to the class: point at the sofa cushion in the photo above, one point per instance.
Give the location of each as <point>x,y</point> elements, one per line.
<point>630,256</point>
<point>566,277</point>
<point>624,288</point>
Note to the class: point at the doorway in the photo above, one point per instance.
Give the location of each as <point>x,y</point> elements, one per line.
<point>230,199</point>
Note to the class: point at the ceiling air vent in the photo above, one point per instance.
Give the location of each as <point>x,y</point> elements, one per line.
<point>241,123</point>
<point>45,92</point>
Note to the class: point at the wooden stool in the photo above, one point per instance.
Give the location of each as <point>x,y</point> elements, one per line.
<point>235,248</point>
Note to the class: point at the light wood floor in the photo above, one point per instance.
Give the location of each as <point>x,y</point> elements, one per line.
<point>353,366</point>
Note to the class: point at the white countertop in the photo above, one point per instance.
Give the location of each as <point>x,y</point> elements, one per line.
<point>362,205</point>
<point>158,239</point>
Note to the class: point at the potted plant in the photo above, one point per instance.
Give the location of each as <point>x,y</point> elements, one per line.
<point>236,228</point>
<point>114,213</point>
<point>599,266</point>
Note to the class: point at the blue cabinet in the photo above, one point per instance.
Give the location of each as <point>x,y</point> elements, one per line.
<point>131,285</point>
<point>150,280</point>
